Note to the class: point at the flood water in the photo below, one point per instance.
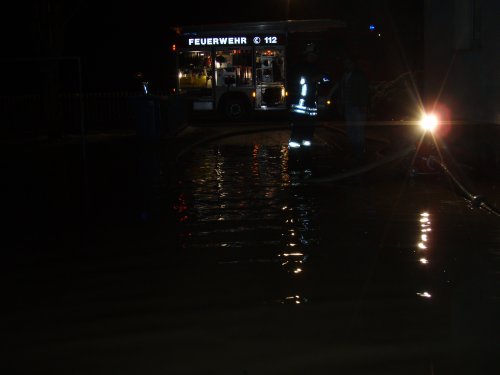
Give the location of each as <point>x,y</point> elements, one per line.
<point>235,261</point>
<point>381,260</point>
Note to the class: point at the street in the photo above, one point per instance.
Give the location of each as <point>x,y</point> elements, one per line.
<point>234,255</point>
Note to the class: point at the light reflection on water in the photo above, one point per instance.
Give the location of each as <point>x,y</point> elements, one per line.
<point>232,206</point>
<point>244,209</point>
<point>423,252</point>
<point>433,262</point>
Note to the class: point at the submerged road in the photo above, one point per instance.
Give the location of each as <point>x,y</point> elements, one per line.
<point>224,253</point>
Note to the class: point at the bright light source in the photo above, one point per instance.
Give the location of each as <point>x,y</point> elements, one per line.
<point>424,294</point>
<point>429,122</point>
<point>293,144</point>
<point>372,27</point>
<point>306,143</point>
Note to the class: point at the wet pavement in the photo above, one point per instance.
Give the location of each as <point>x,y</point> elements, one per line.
<point>222,252</point>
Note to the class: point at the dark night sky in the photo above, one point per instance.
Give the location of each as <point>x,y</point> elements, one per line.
<point>116,38</point>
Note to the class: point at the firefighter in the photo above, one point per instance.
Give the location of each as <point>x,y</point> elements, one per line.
<point>305,79</point>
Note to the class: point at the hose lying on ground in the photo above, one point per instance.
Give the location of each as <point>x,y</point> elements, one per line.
<point>364,168</point>
<point>227,134</point>
<point>476,200</point>
<point>339,129</point>
<point>184,151</point>
<point>336,177</point>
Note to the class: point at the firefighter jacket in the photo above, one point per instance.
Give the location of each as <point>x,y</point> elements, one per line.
<point>305,81</point>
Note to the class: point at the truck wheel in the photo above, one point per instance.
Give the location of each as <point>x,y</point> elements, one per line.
<point>235,109</point>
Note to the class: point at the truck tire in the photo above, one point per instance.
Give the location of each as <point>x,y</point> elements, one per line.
<point>235,109</point>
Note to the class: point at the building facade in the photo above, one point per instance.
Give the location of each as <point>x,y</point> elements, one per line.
<point>462,59</point>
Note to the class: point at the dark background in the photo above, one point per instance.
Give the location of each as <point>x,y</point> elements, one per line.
<point>117,39</point>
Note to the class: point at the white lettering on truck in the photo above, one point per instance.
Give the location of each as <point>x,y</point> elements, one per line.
<point>212,41</point>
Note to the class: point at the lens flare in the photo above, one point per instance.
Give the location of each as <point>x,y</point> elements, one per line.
<point>429,122</point>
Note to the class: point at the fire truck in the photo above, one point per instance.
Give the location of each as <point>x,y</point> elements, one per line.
<point>237,68</point>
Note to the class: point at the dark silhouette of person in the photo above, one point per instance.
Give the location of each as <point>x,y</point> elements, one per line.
<point>352,96</point>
